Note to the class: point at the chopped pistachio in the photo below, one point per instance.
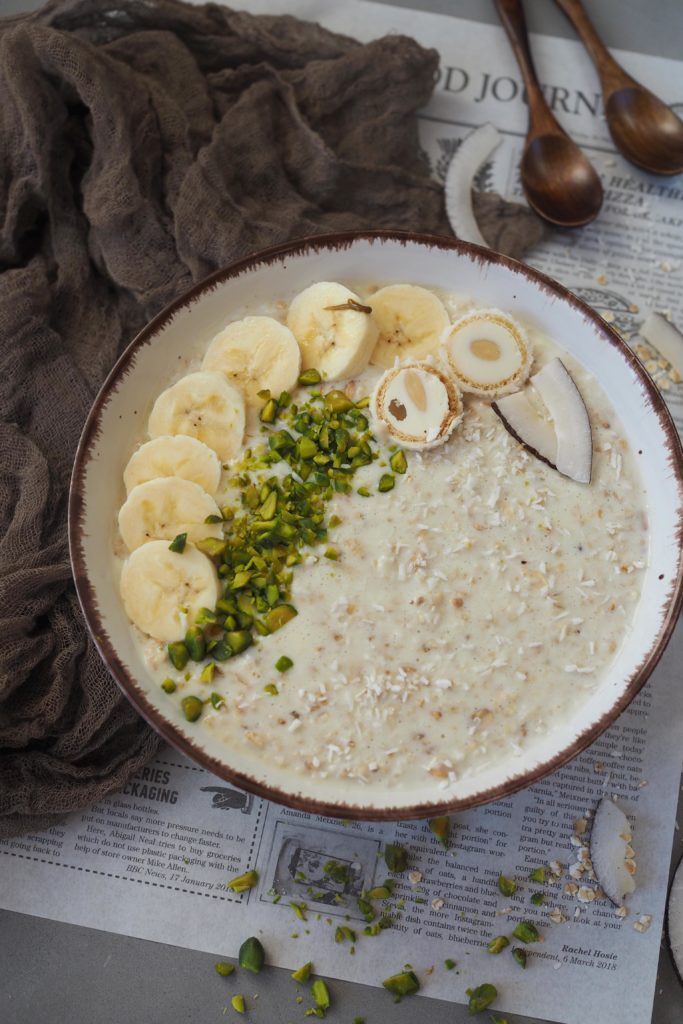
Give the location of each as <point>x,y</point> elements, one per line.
<point>207,673</point>
<point>238,640</point>
<point>337,401</point>
<point>303,973</point>
<point>537,875</point>
<point>343,933</point>
<point>507,886</point>
<point>537,899</point>
<point>449,964</point>
<point>299,909</point>
<point>380,892</point>
<point>237,1003</point>
<point>252,955</point>
<point>192,708</point>
<point>279,616</point>
<point>498,944</point>
<point>179,655</point>
<point>364,492</point>
<point>441,828</point>
<point>217,701</point>
<point>395,857</point>
<point>244,882</point>
<point>271,689</point>
<point>309,377</point>
<point>213,519</point>
<point>497,1019</point>
<point>398,461</point>
<point>332,554</point>
<point>525,931</point>
<point>283,663</point>
<point>519,955</point>
<point>321,994</point>
<point>211,546</point>
<point>403,984</point>
<point>168,686</point>
<point>269,411</point>
<point>195,643</point>
<point>224,969</point>
<point>386,482</point>
<point>481,997</point>
<point>178,543</point>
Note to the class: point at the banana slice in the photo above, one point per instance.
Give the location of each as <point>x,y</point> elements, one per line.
<point>162,590</point>
<point>205,406</point>
<point>161,509</point>
<point>256,353</point>
<point>488,353</point>
<point>419,405</point>
<point>337,342</point>
<point>411,321</point>
<point>180,456</point>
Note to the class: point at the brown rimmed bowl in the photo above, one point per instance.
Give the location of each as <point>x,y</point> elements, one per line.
<point>119,415</point>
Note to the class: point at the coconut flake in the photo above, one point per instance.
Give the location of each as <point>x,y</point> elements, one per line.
<point>466,161</point>
<point>674,922</point>
<point>610,835</point>
<point>664,337</point>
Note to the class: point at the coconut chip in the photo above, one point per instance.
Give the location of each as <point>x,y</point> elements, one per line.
<point>466,161</point>
<point>674,920</point>
<point>609,849</point>
<point>665,338</point>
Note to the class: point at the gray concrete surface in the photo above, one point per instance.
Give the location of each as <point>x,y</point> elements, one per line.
<point>72,975</point>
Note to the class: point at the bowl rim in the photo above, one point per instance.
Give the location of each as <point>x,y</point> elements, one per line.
<point>86,591</point>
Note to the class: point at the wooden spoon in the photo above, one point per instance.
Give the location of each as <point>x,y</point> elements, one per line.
<point>646,131</point>
<point>560,183</point>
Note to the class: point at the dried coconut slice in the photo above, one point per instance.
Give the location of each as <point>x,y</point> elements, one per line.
<point>559,433</point>
<point>417,404</point>
<point>476,148</point>
<point>674,920</point>
<point>665,338</point>
<point>611,853</point>
<point>488,353</point>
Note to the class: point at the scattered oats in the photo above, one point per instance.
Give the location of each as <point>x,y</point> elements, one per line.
<point>586,894</point>
<point>608,316</point>
<point>602,279</point>
<point>414,877</point>
<point>555,868</point>
<point>505,910</point>
<point>666,266</point>
<point>571,888</point>
<point>643,923</point>
<point>621,911</point>
<point>599,767</point>
<point>437,904</point>
<point>580,826</point>
<point>576,870</point>
<point>557,916</point>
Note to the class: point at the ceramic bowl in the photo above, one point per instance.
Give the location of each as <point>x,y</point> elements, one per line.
<point>118,419</point>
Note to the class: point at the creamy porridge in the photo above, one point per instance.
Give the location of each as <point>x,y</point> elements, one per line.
<point>423,603</point>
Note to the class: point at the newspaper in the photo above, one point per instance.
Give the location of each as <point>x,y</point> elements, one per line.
<point>154,860</point>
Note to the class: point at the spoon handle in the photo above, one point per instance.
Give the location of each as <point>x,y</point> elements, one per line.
<point>512,17</point>
<point>612,75</point>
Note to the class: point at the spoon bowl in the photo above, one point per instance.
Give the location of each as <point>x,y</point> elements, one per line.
<point>560,183</point>
<point>646,131</point>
